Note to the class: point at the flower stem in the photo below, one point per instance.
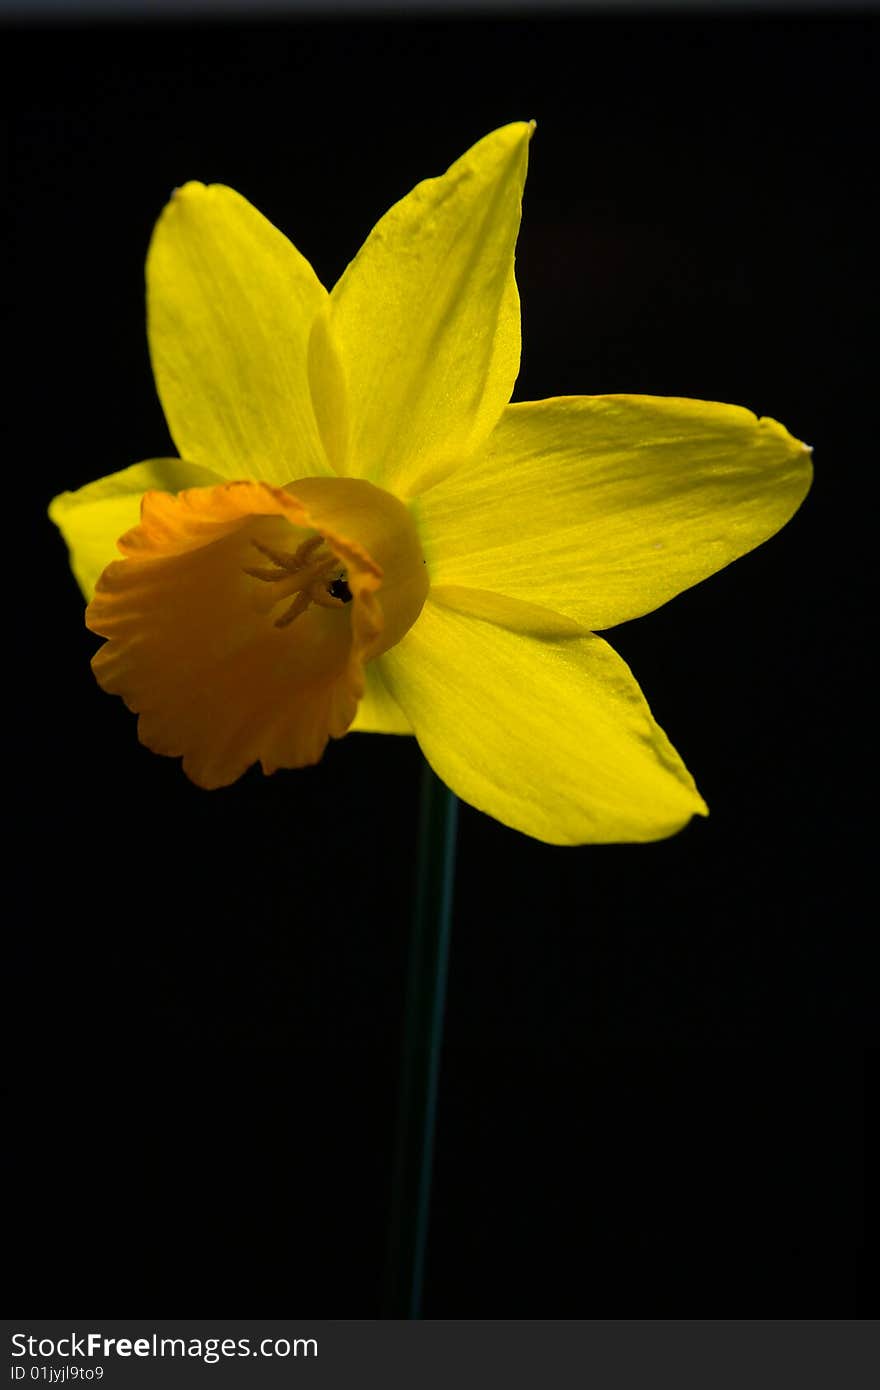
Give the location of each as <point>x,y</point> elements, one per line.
<point>422,1041</point>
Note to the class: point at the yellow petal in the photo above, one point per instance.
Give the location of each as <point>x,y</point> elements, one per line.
<point>506,612</point>
<point>329,393</point>
<point>224,631</point>
<point>92,519</point>
<point>604,507</point>
<point>426,318</point>
<point>553,738</point>
<point>378,712</point>
<point>230,306</point>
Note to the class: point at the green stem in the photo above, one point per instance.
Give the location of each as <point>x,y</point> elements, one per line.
<point>422,1042</point>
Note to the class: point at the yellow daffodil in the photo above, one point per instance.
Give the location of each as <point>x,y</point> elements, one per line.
<point>361,533</point>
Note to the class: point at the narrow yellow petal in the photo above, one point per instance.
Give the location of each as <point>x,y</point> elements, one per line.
<point>604,507</point>
<point>553,738</point>
<point>329,393</point>
<point>230,307</point>
<point>93,518</point>
<point>519,616</point>
<point>426,319</point>
<point>378,712</point>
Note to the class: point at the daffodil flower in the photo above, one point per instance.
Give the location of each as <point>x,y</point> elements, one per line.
<point>361,533</point>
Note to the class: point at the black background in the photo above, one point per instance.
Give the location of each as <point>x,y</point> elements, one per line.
<point>652,1093</point>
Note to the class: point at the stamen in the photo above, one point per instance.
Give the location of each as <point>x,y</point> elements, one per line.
<point>324,599</point>
<point>299,605</point>
<point>268,576</point>
<point>284,560</point>
<point>305,573</point>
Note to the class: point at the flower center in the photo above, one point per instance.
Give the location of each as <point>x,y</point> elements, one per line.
<point>309,574</point>
<point>184,613</point>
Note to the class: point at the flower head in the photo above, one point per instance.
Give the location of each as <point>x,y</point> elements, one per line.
<point>361,533</point>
